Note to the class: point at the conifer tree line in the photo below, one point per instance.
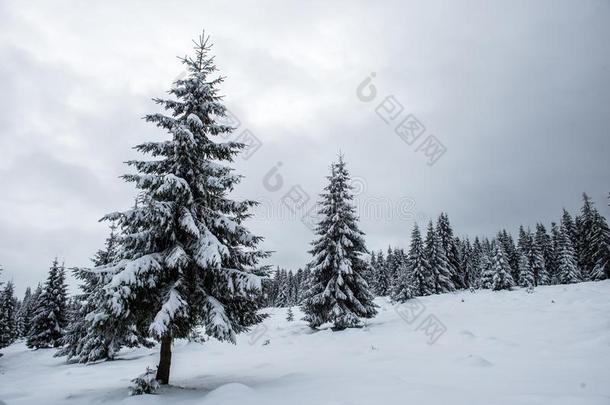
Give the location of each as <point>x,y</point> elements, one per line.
<point>285,288</point>
<point>41,316</point>
<point>575,249</point>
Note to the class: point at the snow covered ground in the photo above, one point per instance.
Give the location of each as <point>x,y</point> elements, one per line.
<point>550,347</point>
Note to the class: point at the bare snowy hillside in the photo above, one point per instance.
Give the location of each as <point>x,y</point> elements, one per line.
<point>506,347</point>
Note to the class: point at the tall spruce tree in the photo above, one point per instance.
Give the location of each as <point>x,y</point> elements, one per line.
<point>391,267</point>
<point>527,278</point>
<point>476,259</point>
<point>600,239</point>
<point>445,233</point>
<point>421,277</point>
<point>282,298</point>
<point>50,316</point>
<point>555,236</point>
<point>338,292</point>
<point>486,270</point>
<point>569,226</point>
<point>294,286</point>
<point>35,301</point>
<point>187,261</point>
<point>298,286</point>
<point>526,273</point>
<point>24,315</point>
<point>536,260</point>
<point>305,282</point>
<point>544,244</point>
<point>469,263</point>
<point>8,319</point>
<point>502,278</point>
<point>593,242</point>
<point>567,269</point>
<point>437,262</point>
<point>402,289</point>
<point>381,277</point>
<point>510,252</point>
<point>369,273</point>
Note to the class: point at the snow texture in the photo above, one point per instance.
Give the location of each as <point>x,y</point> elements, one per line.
<point>551,347</point>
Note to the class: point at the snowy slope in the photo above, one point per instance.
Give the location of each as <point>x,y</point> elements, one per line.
<point>550,347</point>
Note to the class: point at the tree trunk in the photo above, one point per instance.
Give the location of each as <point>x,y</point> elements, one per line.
<point>165,360</point>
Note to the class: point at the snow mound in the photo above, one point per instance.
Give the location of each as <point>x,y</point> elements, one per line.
<point>467,334</point>
<point>230,392</point>
<point>474,360</point>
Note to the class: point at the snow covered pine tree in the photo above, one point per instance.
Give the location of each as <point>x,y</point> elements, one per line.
<point>417,280</point>
<point>92,335</point>
<point>502,279</point>
<point>437,262</point>
<point>186,259</point>
<point>8,320</point>
<point>567,269</point>
<point>445,233</point>
<point>402,289</point>
<point>50,313</point>
<point>338,293</point>
<point>487,272</point>
<point>526,271</point>
<point>24,315</point>
<point>422,277</point>
<point>593,242</point>
<point>290,315</point>
<point>380,276</point>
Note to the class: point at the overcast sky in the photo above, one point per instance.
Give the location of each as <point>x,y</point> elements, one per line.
<point>517,92</point>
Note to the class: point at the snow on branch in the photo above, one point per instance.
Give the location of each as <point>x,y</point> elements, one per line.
<point>173,306</point>
<point>241,281</point>
<point>187,223</point>
<point>209,250</point>
<point>177,258</point>
<point>218,323</point>
<point>135,270</point>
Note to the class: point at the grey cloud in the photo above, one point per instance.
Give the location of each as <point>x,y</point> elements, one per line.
<point>517,92</point>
